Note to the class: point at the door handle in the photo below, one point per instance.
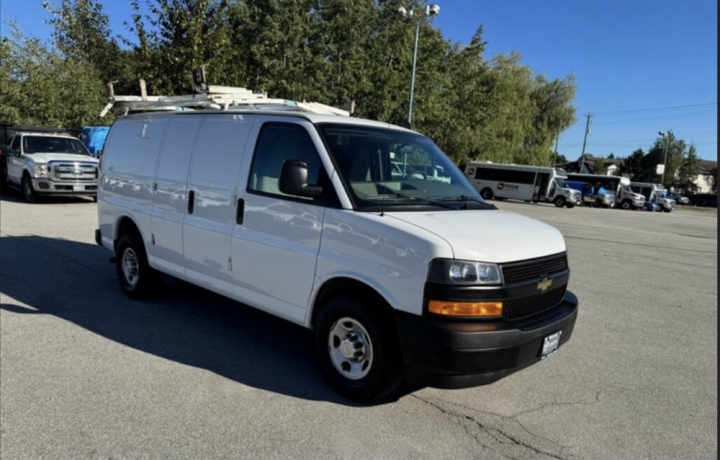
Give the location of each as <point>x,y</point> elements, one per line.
<point>240,211</point>
<point>191,201</point>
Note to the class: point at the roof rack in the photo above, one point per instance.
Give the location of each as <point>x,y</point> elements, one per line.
<point>214,98</point>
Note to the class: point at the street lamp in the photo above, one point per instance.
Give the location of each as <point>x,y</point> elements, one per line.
<point>430,11</point>
<point>667,140</point>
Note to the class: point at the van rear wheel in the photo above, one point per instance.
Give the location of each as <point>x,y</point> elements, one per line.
<point>137,278</point>
<point>357,349</point>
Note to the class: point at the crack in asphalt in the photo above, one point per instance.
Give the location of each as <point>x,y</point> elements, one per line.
<point>579,403</point>
<point>502,437</point>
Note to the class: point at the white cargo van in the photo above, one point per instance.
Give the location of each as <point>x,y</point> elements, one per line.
<point>300,215</point>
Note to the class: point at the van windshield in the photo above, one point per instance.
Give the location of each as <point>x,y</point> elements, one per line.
<point>388,168</point>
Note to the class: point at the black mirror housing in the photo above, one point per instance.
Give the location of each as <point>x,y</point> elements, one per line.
<point>293,180</point>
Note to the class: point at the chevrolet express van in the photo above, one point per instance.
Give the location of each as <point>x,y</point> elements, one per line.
<point>300,215</point>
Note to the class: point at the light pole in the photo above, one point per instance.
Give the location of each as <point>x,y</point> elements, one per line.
<point>430,11</point>
<point>667,140</point>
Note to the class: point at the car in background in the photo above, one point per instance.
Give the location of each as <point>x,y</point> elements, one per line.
<point>711,203</point>
<point>679,199</point>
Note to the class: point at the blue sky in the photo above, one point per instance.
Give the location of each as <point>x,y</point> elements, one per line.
<point>641,66</point>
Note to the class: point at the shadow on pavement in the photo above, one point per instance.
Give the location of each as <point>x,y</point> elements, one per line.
<point>186,324</point>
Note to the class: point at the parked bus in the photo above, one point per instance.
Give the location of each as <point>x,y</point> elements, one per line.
<point>620,186</point>
<point>527,183</point>
<point>654,193</point>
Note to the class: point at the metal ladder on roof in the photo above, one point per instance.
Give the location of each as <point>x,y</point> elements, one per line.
<point>213,98</point>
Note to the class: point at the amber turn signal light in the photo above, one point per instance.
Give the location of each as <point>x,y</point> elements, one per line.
<point>465,308</point>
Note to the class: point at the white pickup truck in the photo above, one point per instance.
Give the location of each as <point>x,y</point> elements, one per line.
<point>45,164</point>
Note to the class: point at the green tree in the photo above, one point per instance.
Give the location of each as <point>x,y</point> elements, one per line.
<point>688,171</point>
<point>634,166</point>
<point>600,166</point>
<point>42,87</point>
<point>81,33</point>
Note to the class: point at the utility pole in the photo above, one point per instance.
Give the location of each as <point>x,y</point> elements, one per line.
<point>587,130</point>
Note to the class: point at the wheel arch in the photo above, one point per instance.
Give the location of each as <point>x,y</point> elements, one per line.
<point>345,285</point>
<point>126,224</point>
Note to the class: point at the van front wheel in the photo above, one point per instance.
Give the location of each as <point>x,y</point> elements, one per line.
<point>137,278</point>
<point>357,349</point>
<point>560,201</point>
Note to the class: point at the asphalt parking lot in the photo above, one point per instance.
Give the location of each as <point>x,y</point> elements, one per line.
<point>87,373</point>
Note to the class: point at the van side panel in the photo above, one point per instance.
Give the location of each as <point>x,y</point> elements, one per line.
<point>213,181</point>
<point>128,167</point>
<point>170,203</point>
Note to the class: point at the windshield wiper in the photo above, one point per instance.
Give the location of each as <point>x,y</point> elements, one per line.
<point>466,199</point>
<point>403,196</point>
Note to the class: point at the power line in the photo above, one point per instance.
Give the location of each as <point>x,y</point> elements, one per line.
<point>659,109</point>
<point>664,117</point>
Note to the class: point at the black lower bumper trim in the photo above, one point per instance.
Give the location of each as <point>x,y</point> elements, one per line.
<point>446,354</point>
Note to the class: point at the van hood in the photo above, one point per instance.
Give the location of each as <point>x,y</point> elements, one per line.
<point>488,236</point>
<point>41,158</point>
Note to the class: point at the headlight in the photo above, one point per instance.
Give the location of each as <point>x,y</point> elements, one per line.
<point>41,170</point>
<point>448,271</point>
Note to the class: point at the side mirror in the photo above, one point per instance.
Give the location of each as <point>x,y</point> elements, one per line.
<point>293,180</point>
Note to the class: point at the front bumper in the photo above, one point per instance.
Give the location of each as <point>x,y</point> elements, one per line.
<point>460,354</point>
<point>48,187</point>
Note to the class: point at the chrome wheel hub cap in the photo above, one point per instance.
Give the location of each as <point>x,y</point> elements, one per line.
<point>130,267</point>
<point>350,348</point>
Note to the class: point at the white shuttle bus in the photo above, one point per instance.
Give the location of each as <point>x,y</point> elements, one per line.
<point>527,183</point>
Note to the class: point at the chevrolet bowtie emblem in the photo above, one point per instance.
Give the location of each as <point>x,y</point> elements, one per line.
<point>544,284</point>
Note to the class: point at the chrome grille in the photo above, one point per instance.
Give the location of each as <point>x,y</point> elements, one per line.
<point>531,269</point>
<point>74,172</point>
<point>526,306</point>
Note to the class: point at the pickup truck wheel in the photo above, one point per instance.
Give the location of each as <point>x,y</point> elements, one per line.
<point>137,278</point>
<point>560,202</point>
<point>570,205</point>
<point>357,349</point>
<point>667,210</point>
<point>28,191</point>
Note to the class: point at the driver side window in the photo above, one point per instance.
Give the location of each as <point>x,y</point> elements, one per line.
<point>15,146</point>
<point>279,142</point>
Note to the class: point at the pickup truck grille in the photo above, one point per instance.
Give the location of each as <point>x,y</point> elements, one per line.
<point>74,172</point>
<point>526,306</point>
<point>536,268</point>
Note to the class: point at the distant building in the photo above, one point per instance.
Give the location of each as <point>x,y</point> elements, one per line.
<point>590,163</point>
<point>706,172</point>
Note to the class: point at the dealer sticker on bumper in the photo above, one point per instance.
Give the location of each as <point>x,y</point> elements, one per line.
<point>550,344</point>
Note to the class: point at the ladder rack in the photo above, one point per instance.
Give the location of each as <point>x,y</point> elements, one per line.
<point>214,98</point>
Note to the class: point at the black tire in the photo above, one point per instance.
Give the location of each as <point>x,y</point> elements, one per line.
<point>570,205</point>
<point>352,326</point>
<point>487,194</point>
<point>596,204</point>
<point>28,192</point>
<point>667,210</point>
<point>626,205</point>
<point>559,201</point>
<point>137,278</point>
